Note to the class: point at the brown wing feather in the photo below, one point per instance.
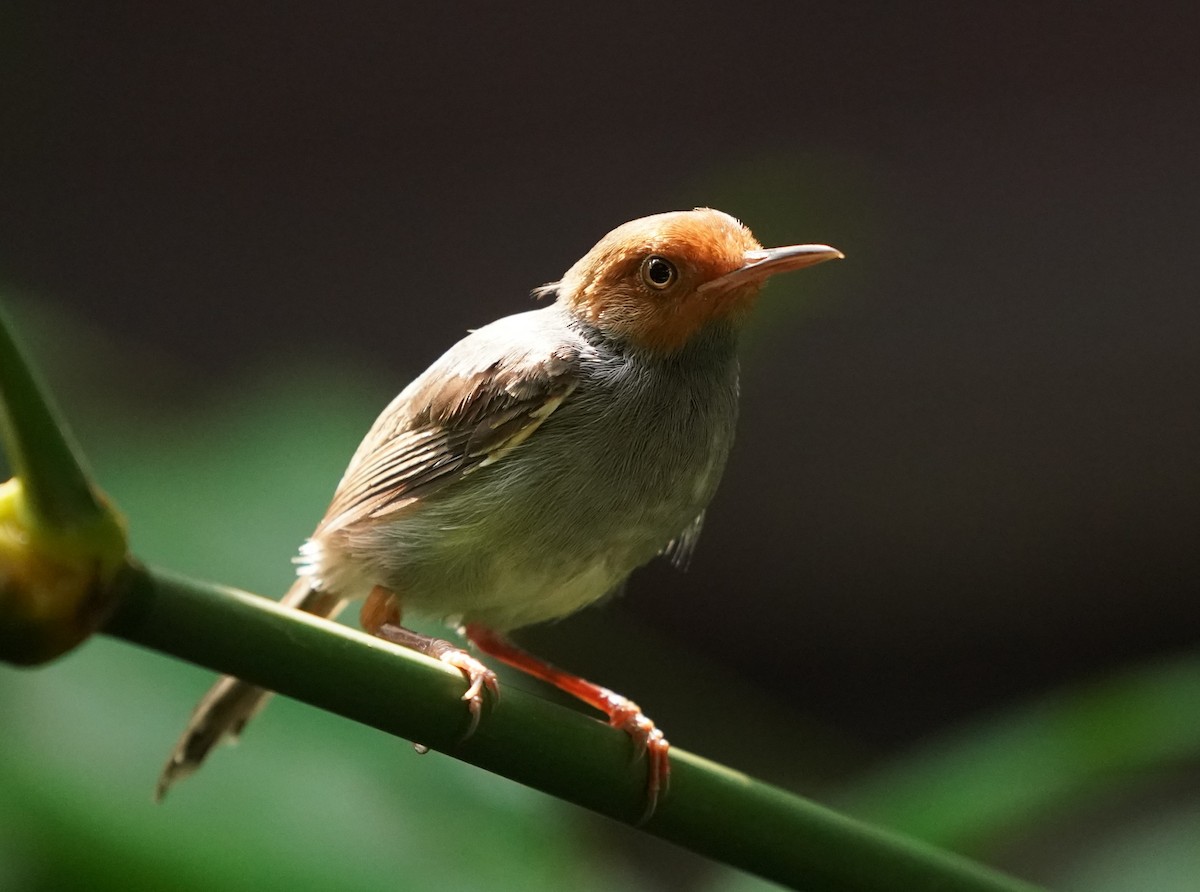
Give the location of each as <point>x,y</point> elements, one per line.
<point>446,424</point>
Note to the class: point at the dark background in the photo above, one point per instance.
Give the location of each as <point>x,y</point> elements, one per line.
<point>967,464</point>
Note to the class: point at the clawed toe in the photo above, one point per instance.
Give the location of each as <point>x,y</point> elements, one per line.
<point>479,677</point>
<point>648,740</point>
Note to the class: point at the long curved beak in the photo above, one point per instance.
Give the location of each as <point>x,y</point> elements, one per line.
<point>766,262</point>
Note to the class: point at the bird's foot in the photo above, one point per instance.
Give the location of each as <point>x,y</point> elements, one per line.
<point>622,712</point>
<point>479,677</point>
<point>381,617</point>
<point>649,740</point>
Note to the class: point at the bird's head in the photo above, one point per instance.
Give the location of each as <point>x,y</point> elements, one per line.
<point>658,281</point>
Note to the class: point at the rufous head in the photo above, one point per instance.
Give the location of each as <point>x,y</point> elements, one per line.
<point>658,281</point>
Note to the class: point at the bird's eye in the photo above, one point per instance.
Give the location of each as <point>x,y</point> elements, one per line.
<point>658,272</point>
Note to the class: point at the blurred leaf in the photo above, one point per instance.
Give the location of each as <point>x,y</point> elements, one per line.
<point>81,763</point>
<point>1023,766</point>
<point>1161,853</point>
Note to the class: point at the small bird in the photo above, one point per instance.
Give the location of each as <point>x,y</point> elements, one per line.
<point>537,463</point>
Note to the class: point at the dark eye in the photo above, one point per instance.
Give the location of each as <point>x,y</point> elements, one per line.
<point>658,272</point>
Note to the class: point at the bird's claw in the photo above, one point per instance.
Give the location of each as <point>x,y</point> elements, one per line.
<point>479,677</point>
<point>648,740</point>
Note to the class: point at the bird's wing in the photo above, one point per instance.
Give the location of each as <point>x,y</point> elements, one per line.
<point>471,408</point>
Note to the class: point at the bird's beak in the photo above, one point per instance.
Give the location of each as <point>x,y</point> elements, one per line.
<point>764,262</point>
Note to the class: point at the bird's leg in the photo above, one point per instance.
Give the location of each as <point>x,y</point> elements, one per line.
<point>381,616</point>
<point>622,712</point>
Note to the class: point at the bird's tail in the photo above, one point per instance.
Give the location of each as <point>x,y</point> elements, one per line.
<point>231,702</point>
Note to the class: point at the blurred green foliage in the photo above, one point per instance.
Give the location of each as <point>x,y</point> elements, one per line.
<point>1079,791</point>
<point>1029,763</point>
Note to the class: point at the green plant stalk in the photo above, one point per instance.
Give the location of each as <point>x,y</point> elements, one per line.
<point>61,544</point>
<point>712,810</point>
<point>57,487</point>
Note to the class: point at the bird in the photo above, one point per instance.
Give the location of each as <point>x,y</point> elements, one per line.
<point>529,470</point>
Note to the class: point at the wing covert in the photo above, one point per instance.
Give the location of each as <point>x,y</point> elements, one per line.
<point>464,413</point>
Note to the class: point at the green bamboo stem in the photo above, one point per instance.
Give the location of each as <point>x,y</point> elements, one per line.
<point>712,810</point>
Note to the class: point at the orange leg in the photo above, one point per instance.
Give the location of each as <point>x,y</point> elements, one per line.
<point>622,712</point>
<point>381,616</point>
